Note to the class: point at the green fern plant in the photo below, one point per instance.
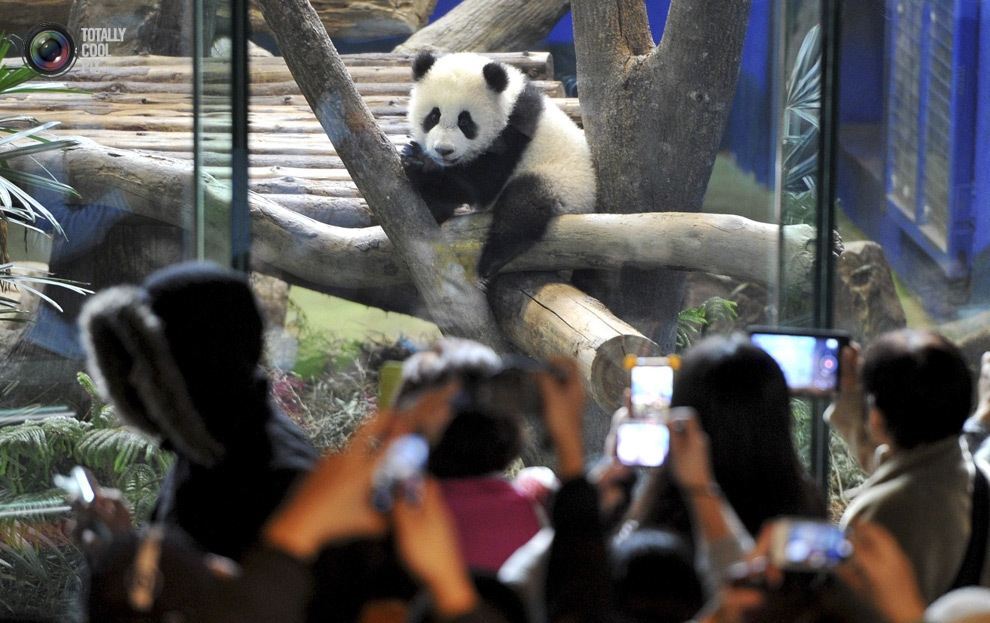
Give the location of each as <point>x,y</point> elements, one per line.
<point>31,454</point>
<point>693,322</point>
<point>38,565</point>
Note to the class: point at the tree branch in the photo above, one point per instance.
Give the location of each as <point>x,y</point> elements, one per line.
<point>455,305</point>
<point>488,26</point>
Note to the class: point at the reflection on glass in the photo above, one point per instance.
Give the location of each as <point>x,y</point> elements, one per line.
<point>96,187</point>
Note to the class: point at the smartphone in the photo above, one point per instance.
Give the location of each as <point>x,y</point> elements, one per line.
<point>400,472</point>
<point>651,385</point>
<point>807,545</point>
<point>78,486</point>
<point>810,359</point>
<point>642,443</point>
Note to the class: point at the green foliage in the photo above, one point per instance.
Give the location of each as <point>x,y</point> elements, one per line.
<point>693,322</point>
<point>20,137</point>
<point>38,565</point>
<point>801,113</point>
<point>844,472</point>
<point>32,453</point>
<point>38,573</point>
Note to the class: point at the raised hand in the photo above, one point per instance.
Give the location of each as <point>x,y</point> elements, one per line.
<point>563,409</point>
<point>426,541</point>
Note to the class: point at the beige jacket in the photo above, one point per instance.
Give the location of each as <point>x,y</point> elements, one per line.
<point>923,496</point>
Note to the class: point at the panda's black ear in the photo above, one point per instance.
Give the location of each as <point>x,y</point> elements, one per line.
<point>424,60</point>
<point>496,77</point>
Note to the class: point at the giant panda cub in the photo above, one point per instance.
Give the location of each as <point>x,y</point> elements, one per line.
<point>483,135</point>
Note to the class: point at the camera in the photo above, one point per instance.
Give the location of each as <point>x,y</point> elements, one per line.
<point>809,359</point>
<point>807,546</point>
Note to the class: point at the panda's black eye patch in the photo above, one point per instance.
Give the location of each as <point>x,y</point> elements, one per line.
<point>431,120</point>
<point>467,124</point>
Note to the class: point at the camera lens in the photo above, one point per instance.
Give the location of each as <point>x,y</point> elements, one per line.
<point>50,50</point>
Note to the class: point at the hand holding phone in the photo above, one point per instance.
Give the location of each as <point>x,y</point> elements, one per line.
<point>807,546</point>
<point>643,440</point>
<point>809,359</point>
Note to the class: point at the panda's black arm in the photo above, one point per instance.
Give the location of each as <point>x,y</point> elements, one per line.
<point>441,191</point>
<point>519,220</point>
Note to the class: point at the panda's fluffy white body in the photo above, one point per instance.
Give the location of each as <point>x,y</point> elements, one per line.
<point>483,135</point>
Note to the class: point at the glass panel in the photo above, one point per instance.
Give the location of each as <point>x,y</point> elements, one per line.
<point>350,299</point>
<point>109,199</point>
<point>913,203</point>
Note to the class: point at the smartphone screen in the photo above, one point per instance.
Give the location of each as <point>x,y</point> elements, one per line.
<point>650,390</point>
<point>808,545</point>
<point>809,362</point>
<point>642,444</point>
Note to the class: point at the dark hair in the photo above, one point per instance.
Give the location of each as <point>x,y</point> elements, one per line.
<point>483,436</point>
<point>654,578</point>
<point>920,383</point>
<point>743,404</point>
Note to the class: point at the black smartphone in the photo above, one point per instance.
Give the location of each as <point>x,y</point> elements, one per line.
<point>810,359</point>
<point>807,545</point>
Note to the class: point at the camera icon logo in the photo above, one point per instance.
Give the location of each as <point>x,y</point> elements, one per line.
<point>50,50</point>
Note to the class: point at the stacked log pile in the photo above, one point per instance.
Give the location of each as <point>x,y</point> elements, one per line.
<point>144,103</point>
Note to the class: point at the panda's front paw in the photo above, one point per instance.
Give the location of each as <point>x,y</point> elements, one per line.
<point>416,162</point>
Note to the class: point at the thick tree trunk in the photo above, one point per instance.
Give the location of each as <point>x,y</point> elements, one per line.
<point>489,25</point>
<point>654,117</point>
<point>456,305</point>
<point>171,33</point>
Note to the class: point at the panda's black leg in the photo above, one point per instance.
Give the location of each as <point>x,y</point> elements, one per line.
<point>519,220</point>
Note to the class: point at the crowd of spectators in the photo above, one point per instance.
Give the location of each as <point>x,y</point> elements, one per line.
<point>252,526</point>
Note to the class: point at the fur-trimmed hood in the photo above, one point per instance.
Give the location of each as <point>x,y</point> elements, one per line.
<point>129,359</point>
<point>178,357</point>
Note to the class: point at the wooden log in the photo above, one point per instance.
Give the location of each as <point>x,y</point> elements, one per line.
<point>483,25</point>
<point>19,17</point>
<point>368,19</point>
<point>139,17</point>
<point>551,89</point>
<point>364,258</point>
<point>545,317</point>
<point>537,65</point>
<point>337,211</point>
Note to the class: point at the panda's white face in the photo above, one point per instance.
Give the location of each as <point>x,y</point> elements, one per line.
<point>455,113</point>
